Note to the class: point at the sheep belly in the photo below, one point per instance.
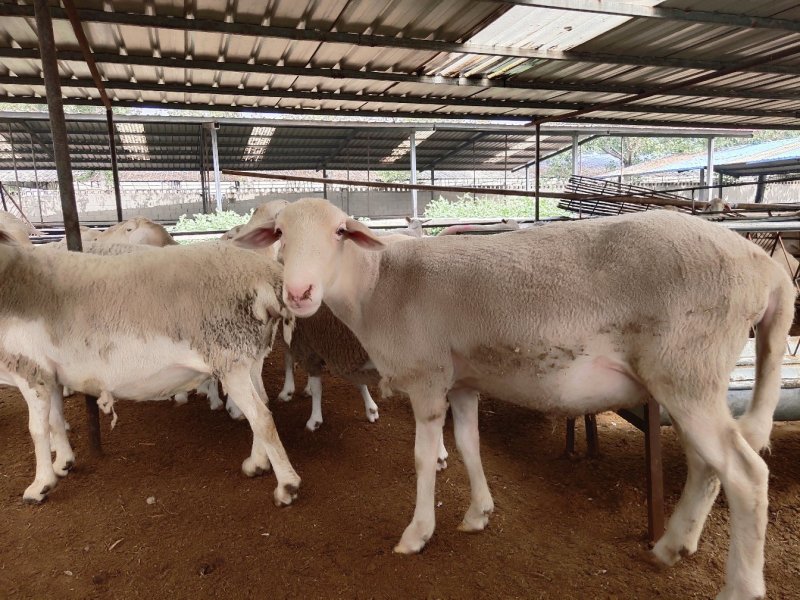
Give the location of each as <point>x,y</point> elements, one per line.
<point>128,367</point>
<point>135,369</point>
<point>559,380</point>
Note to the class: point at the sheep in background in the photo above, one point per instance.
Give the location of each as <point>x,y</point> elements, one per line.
<point>139,326</point>
<point>136,230</point>
<point>16,230</point>
<point>504,225</point>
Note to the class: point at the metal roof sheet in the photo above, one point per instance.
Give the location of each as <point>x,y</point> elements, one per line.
<point>448,59</point>
<point>777,156</point>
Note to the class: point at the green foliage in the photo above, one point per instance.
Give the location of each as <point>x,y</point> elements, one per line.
<point>512,206</point>
<point>221,221</point>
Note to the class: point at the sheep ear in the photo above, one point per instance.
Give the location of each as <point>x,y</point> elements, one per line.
<point>259,237</point>
<point>362,235</point>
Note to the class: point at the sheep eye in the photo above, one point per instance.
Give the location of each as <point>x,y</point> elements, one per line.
<point>278,233</point>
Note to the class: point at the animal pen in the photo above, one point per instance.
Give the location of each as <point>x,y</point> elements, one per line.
<point>328,95</point>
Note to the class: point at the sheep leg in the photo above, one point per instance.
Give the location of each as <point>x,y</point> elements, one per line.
<point>288,378</point>
<point>240,388</point>
<point>369,404</point>
<point>315,385</point>
<point>686,523</point>
<point>441,458</point>
<point>38,401</point>
<point>181,398</point>
<point>65,457</point>
<point>464,404</point>
<point>429,415</point>
<point>211,391</point>
<point>715,437</point>
<point>258,462</point>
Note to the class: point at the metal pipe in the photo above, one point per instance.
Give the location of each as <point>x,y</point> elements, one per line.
<point>112,143</point>
<point>215,155</point>
<point>537,171</point>
<point>47,49</point>
<point>36,180</point>
<point>413,154</point>
<point>3,197</point>
<point>203,174</point>
<point>325,185</point>
<point>576,157</point>
<point>710,167</point>
<point>14,161</point>
<point>760,189</point>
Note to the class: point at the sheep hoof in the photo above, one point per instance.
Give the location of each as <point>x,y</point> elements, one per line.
<point>441,464</point>
<point>285,396</point>
<point>372,415</point>
<point>252,469</point>
<point>313,424</point>
<point>286,494</point>
<point>62,471</point>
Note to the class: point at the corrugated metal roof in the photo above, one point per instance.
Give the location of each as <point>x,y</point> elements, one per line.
<point>171,143</point>
<point>444,59</point>
<point>777,156</point>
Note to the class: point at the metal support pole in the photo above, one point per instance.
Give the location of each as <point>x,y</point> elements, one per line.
<point>538,168</point>
<point>3,198</point>
<point>527,185</point>
<point>576,156</point>
<point>203,171</point>
<point>505,164</point>
<point>325,185</point>
<point>655,472</point>
<point>710,169</point>
<point>112,143</point>
<point>760,188</point>
<point>433,181</point>
<point>14,162</point>
<point>36,180</point>
<point>621,158</point>
<point>413,142</point>
<point>215,153</point>
<point>47,51</point>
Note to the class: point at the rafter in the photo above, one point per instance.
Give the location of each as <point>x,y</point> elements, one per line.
<point>441,102</point>
<point>440,116</point>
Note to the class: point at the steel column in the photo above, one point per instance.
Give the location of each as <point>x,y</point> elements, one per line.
<point>47,50</point>
<point>203,170</point>
<point>413,154</point>
<point>576,156</point>
<point>215,154</point>
<point>761,188</point>
<point>537,170</point>
<point>36,180</point>
<point>710,169</point>
<point>112,143</point>
<point>3,197</point>
<point>325,185</point>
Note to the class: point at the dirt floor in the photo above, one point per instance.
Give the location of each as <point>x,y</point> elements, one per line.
<point>562,528</point>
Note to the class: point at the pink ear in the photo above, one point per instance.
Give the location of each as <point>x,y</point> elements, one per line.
<point>362,235</point>
<point>258,237</point>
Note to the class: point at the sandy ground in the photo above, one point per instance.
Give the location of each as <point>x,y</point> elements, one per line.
<point>562,528</point>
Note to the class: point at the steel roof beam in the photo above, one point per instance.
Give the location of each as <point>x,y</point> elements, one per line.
<point>625,9</point>
<point>369,40</point>
<point>700,125</point>
<point>395,77</point>
<point>405,99</point>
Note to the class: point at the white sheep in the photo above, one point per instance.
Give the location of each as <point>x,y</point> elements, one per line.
<point>139,326</point>
<point>15,229</point>
<point>573,318</point>
<point>504,225</point>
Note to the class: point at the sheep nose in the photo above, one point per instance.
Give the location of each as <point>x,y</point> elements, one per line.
<point>299,293</point>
